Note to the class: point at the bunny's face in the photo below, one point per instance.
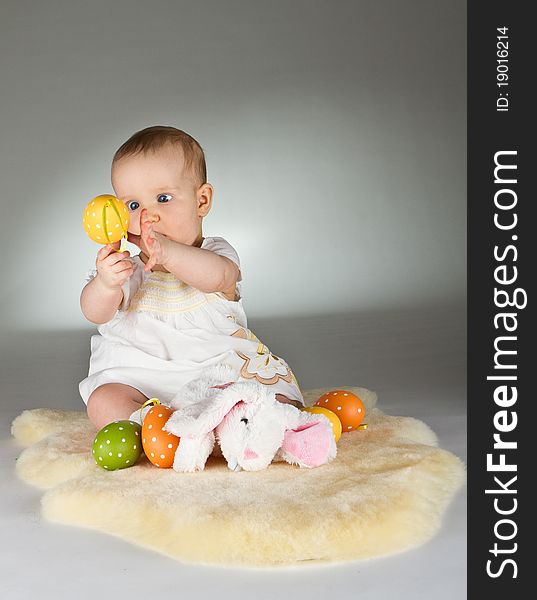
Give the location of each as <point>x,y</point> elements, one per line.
<point>251,434</point>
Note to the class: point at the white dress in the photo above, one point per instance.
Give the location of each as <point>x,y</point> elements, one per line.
<point>165,333</point>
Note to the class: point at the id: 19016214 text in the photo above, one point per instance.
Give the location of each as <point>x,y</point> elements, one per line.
<point>502,69</point>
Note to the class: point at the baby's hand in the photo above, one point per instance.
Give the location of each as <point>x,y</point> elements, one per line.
<point>112,268</point>
<point>156,243</point>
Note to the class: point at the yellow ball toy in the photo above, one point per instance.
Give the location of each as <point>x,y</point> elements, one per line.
<point>106,219</point>
<point>332,417</point>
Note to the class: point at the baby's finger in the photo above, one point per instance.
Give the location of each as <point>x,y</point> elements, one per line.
<point>125,269</point>
<point>147,229</point>
<point>123,262</point>
<point>151,262</point>
<point>116,257</point>
<point>144,220</point>
<point>104,252</point>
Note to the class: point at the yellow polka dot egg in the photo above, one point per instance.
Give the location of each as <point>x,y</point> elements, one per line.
<point>105,219</point>
<point>335,423</point>
<point>118,445</point>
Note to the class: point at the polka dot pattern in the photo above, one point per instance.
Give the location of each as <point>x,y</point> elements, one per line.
<point>159,446</point>
<point>116,445</point>
<point>348,407</point>
<point>105,219</point>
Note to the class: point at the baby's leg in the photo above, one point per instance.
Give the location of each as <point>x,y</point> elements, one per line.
<point>113,402</point>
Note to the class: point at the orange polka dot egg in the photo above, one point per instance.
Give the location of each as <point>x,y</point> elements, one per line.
<point>159,446</point>
<point>105,219</point>
<point>346,405</point>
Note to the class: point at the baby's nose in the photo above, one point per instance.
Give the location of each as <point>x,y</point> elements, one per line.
<point>153,216</point>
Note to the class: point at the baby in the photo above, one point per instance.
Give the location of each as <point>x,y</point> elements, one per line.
<point>175,309</point>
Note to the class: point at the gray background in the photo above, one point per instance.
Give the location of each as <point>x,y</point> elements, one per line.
<point>334,134</point>
<point>335,138</point>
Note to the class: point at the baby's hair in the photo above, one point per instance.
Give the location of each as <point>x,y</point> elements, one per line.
<point>154,138</point>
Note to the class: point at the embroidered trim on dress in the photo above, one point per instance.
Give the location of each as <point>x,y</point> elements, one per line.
<point>167,295</point>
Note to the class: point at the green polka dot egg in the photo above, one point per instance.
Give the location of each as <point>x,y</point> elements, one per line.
<point>118,445</point>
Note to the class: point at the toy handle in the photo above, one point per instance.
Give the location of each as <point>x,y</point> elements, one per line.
<point>124,238</point>
<point>122,245</point>
<point>153,401</point>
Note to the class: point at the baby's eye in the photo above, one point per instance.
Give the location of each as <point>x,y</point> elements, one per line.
<point>166,197</point>
<point>133,205</point>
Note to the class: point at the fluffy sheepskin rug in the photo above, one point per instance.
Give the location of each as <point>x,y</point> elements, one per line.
<point>385,492</point>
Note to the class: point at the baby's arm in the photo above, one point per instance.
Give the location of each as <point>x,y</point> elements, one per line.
<point>203,269</point>
<point>200,268</point>
<point>98,302</point>
<point>102,296</point>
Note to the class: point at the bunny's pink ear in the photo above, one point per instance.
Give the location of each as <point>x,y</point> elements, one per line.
<point>309,445</point>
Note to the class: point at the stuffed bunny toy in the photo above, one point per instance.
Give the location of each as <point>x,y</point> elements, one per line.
<point>250,425</point>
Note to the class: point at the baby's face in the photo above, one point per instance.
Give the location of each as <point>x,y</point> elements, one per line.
<point>159,182</point>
